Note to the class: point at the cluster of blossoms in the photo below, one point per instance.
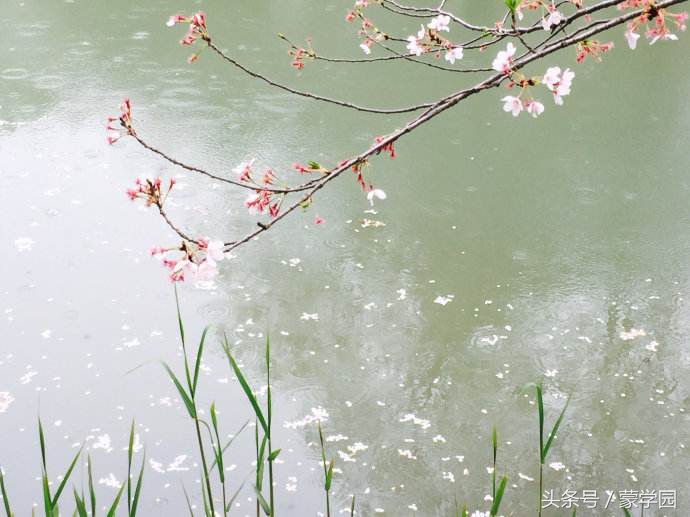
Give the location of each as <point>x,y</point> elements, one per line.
<point>368,32</point>
<point>198,260</point>
<point>592,48</point>
<point>653,20</point>
<point>551,18</point>
<point>556,81</point>
<point>430,39</point>
<point>299,54</point>
<point>150,191</point>
<point>261,200</point>
<point>359,167</point>
<point>197,30</point>
<point>125,120</point>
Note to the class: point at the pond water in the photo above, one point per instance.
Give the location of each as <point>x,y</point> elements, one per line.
<point>511,251</point>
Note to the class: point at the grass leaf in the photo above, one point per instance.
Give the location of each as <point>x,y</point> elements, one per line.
<point>81,506</point>
<point>234,497</point>
<point>189,503</point>
<point>197,363</point>
<point>183,394</point>
<point>137,489</point>
<point>92,492</point>
<point>262,501</point>
<point>499,496</point>
<point>553,432</point>
<point>245,386</point>
<point>540,408</point>
<point>61,487</point>
<point>329,475</point>
<point>113,507</point>
<point>5,498</point>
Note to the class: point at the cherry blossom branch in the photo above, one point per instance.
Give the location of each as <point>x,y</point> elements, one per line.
<point>199,255</point>
<point>437,109</point>
<point>309,95</point>
<point>173,226</point>
<point>222,179</point>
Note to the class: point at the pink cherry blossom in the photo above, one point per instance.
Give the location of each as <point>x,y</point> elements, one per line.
<point>454,54</point>
<point>504,59</point>
<point>512,104</point>
<point>174,20</point>
<point>440,23</point>
<point>534,108</point>
<point>244,170</point>
<point>214,249</point>
<point>558,83</point>
<point>414,47</point>
<point>554,17</point>
<point>114,133</point>
<point>207,270</point>
<point>197,30</point>
<point>413,42</point>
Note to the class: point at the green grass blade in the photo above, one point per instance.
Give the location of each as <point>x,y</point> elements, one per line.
<point>218,449</point>
<point>113,507</point>
<point>553,432</point>
<point>234,497</point>
<point>626,512</point>
<point>245,387</point>
<point>540,408</point>
<point>189,503</point>
<point>47,500</point>
<point>130,454</point>
<point>61,487</point>
<point>260,463</point>
<point>197,363</point>
<point>137,489</point>
<point>92,492</point>
<point>42,441</point>
<point>494,444</point>
<point>179,316</point>
<point>81,506</point>
<point>329,475</point>
<point>352,507</point>
<point>207,510</point>
<point>269,404</point>
<point>499,496</point>
<point>5,498</point>
<point>227,445</point>
<point>262,501</point>
<point>183,394</point>
<point>274,455</point>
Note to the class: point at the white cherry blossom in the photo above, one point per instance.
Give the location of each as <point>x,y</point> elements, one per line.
<point>454,54</point>
<point>504,59</point>
<point>440,23</point>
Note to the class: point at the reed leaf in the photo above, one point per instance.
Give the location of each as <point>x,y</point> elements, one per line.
<point>499,496</point>
<point>262,501</point>
<point>197,363</point>
<point>92,492</point>
<point>553,432</point>
<point>5,497</point>
<point>183,394</point>
<point>245,386</point>
<point>81,506</point>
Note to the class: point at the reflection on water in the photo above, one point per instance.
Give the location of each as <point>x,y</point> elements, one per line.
<point>507,252</point>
